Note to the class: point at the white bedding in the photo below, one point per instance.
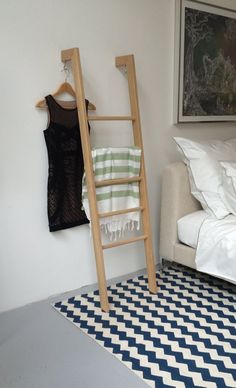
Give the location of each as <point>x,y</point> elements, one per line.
<point>216,249</point>
<point>189,227</point>
<point>214,241</point>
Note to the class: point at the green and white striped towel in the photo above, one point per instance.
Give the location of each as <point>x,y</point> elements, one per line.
<point>114,163</point>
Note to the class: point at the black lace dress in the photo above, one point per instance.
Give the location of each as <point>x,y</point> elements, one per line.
<point>66,167</point>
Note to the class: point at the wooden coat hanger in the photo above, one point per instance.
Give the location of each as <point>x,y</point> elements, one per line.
<point>65,87</point>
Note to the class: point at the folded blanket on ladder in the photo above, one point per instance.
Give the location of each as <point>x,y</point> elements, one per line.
<point>114,163</point>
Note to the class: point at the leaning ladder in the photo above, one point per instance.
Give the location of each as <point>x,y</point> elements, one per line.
<point>127,62</point>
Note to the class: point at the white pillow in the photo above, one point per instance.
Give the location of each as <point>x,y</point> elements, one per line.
<point>202,159</point>
<point>228,189</point>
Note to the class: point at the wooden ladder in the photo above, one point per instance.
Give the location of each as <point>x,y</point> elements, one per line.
<point>126,61</point>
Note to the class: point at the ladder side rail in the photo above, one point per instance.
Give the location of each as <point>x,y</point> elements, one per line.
<point>73,55</point>
<point>128,61</point>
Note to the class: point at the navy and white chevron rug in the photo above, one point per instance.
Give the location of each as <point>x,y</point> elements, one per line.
<point>185,336</point>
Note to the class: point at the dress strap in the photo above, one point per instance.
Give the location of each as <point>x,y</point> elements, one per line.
<point>50,103</point>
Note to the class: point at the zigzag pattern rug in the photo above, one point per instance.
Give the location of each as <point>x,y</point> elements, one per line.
<point>183,337</point>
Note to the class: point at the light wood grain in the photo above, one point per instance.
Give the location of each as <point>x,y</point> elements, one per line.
<point>118,181</point>
<point>124,242</point>
<point>124,211</point>
<point>128,61</point>
<point>110,118</point>
<point>74,56</point>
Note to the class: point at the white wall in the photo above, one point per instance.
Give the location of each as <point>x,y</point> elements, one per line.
<point>33,262</point>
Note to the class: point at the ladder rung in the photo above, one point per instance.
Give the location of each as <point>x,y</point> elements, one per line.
<point>118,181</point>
<point>123,211</point>
<point>123,242</point>
<point>111,118</point>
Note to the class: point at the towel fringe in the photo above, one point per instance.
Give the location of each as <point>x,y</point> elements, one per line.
<point>115,229</point>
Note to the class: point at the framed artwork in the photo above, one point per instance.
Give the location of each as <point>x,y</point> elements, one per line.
<point>205,63</point>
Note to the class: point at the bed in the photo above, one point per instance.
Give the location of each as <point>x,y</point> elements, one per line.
<point>217,256</point>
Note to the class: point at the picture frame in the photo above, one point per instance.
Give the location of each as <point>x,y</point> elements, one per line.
<point>205,62</point>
